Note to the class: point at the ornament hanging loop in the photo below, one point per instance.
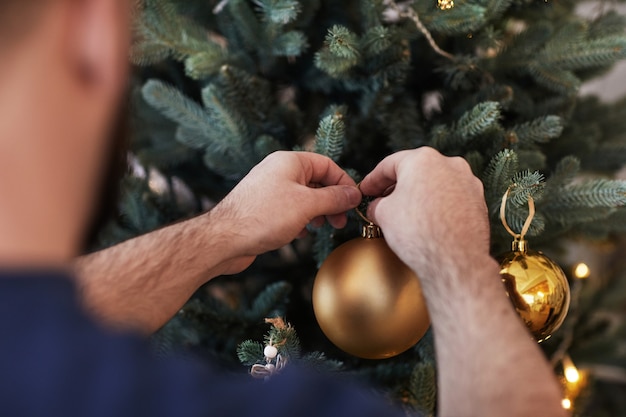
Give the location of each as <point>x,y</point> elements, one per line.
<point>362,216</point>
<point>370,230</point>
<point>519,244</point>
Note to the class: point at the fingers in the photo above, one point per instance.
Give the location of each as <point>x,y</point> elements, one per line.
<point>378,211</point>
<point>322,170</point>
<point>317,221</point>
<point>338,195</point>
<point>332,200</point>
<point>372,209</point>
<point>322,190</point>
<point>384,175</point>
<point>338,221</point>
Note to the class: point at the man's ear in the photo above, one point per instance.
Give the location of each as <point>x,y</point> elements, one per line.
<point>99,42</point>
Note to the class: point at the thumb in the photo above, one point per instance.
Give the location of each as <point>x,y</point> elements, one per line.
<point>375,212</point>
<point>371,210</point>
<point>334,199</point>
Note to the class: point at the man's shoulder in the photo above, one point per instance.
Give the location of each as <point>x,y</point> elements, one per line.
<point>56,361</point>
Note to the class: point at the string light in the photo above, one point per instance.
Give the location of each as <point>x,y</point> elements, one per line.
<point>573,380</point>
<point>582,270</point>
<point>566,403</point>
<point>569,370</point>
<point>572,375</point>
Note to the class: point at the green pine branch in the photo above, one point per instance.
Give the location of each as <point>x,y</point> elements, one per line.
<point>324,243</point>
<point>250,95</point>
<point>461,19</point>
<point>279,11</point>
<point>587,201</point>
<point>590,194</point>
<point>284,337</point>
<point>218,128</point>
<point>249,352</point>
<point>556,54</point>
<point>592,53</point>
<point>229,128</point>
<point>173,104</point>
<point>497,176</point>
<point>474,122</point>
<point>290,44</point>
<point>423,389</point>
<point>555,79</point>
<point>331,133</point>
<point>340,52</point>
<point>376,40</point>
<point>525,185</point>
<point>540,130</point>
<point>246,25</point>
<point>161,32</point>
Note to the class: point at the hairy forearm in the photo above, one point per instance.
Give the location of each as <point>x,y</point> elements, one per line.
<point>488,363</point>
<point>143,282</point>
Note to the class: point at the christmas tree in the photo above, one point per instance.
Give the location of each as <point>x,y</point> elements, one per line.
<point>221,84</point>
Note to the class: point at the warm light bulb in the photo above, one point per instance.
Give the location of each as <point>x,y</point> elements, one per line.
<point>566,403</point>
<point>571,373</point>
<point>582,270</point>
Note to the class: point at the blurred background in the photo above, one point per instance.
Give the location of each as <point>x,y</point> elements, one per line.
<point>220,84</point>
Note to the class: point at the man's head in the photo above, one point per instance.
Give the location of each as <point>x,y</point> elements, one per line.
<point>63,73</point>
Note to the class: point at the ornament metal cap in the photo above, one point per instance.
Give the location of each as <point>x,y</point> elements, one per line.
<point>369,230</point>
<point>519,245</point>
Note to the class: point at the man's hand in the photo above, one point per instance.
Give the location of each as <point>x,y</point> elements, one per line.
<point>435,210</point>
<point>435,219</point>
<point>273,204</point>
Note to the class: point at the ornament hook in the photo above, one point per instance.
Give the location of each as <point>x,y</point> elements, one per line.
<point>370,229</point>
<point>362,216</point>
<point>360,213</point>
<point>519,237</point>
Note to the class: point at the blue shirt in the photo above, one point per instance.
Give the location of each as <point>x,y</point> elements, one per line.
<point>55,361</point>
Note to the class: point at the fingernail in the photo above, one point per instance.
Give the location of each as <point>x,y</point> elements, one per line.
<point>354,195</point>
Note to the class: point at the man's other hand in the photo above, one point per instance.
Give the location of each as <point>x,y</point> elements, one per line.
<point>275,202</point>
<point>433,209</point>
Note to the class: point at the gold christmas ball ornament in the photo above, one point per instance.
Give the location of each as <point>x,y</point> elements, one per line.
<point>537,287</point>
<point>445,4</point>
<point>367,301</point>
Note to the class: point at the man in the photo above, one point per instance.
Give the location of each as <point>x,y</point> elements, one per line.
<point>60,81</point>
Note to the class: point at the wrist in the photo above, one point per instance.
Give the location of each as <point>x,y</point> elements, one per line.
<point>463,283</point>
<point>221,242</point>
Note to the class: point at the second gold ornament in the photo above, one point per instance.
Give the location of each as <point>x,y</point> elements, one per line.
<point>536,285</point>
